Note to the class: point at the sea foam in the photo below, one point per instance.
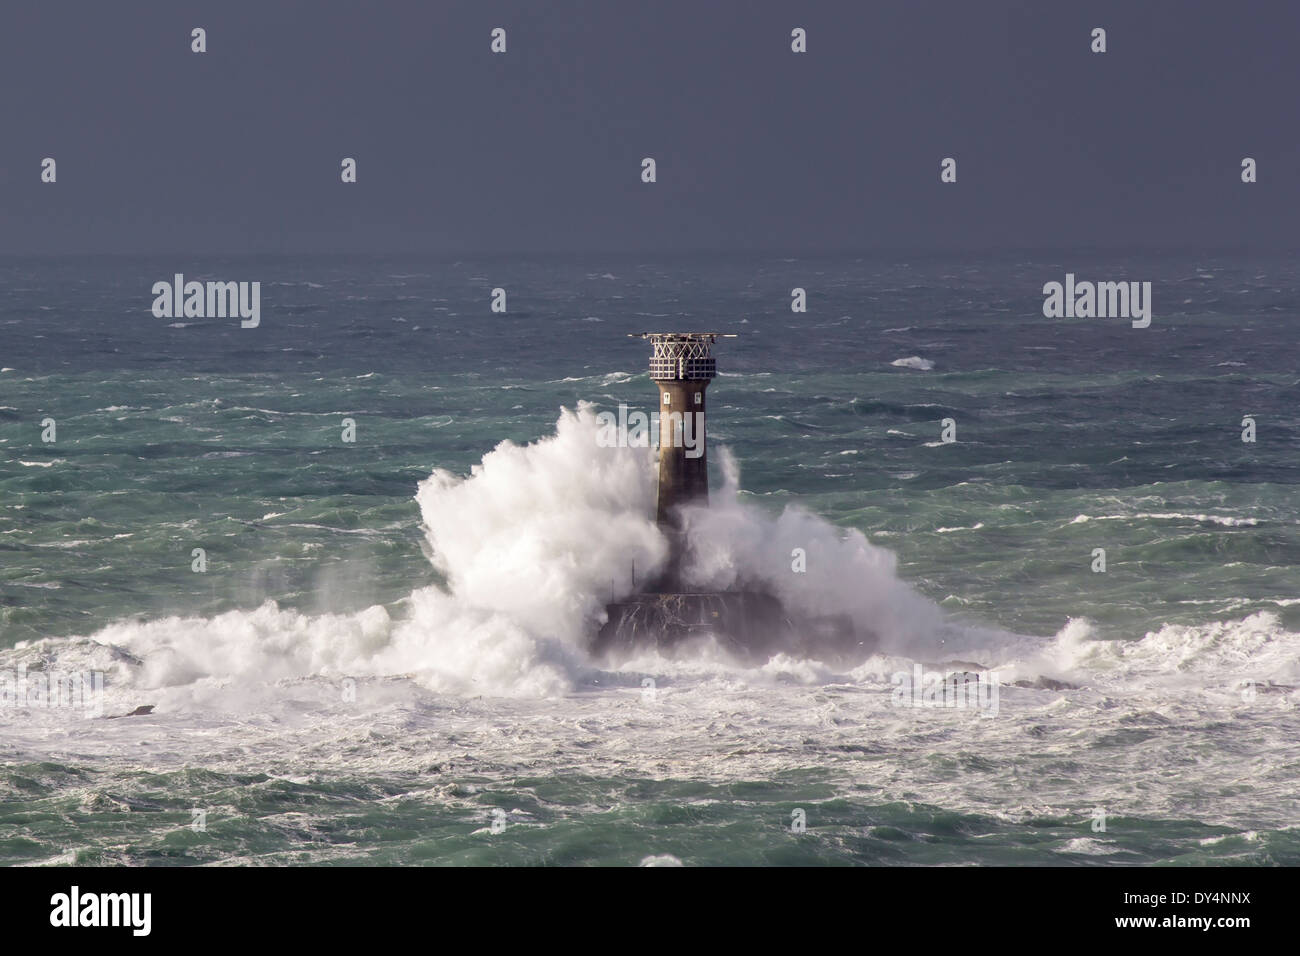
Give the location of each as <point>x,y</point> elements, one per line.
<point>532,544</point>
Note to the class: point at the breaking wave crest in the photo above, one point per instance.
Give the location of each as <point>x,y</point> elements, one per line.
<point>537,539</point>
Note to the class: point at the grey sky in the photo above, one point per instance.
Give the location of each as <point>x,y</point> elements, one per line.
<point>539,149</point>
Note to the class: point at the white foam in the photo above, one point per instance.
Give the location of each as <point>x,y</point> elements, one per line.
<point>1087,846</point>
<point>1224,520</point>
<point>493,671</point>
<point>532,545</point>
<point>737,544</point>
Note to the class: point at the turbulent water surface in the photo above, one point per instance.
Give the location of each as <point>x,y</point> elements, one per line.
<point>386,659</point>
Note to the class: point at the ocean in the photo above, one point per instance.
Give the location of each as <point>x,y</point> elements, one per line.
<point>376,651</point>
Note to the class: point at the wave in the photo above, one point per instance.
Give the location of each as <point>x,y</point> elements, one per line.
<point>537,538</point>
<point>1224,520</point>
<point>1220,657</point>
<point>532,544</point>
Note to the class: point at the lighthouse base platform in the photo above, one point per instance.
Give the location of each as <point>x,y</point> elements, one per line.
<point>751,625</point>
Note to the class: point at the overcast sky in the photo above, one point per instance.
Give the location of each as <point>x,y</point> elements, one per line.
<point>540,149</point>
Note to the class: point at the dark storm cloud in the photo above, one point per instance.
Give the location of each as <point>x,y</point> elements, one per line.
<point>539,149</point>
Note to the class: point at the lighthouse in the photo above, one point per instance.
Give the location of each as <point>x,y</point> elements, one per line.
<point>681,367</point>
<point>667,611</point>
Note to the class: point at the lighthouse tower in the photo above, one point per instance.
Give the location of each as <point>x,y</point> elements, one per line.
<point>681,367</point>
<point>749,621</point>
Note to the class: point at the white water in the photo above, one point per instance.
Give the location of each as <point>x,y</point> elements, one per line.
<point>532,545</point>
<point>529,543</point>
